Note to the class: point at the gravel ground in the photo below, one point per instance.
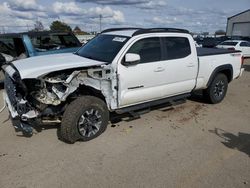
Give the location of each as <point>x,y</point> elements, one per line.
<point>191,145</point>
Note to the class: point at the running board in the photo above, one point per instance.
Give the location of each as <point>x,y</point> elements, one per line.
<point>179,99</point>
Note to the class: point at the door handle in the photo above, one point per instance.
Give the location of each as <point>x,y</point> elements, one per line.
<point>159,69</point>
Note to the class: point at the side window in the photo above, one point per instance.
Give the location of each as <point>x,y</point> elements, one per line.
<point>149,49</point>
<point>7,46</point>
<point>177,47</point>
<point>245,44</point>
<point>53,42</point>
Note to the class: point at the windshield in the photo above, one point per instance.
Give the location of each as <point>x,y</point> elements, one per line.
<point>103,47</point>
<point>229,43</point>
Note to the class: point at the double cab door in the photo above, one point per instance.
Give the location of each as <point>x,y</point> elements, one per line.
<point>168,67</point>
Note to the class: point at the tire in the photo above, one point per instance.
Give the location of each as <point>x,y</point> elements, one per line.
<point>217,90</point>
<point>84,119</point>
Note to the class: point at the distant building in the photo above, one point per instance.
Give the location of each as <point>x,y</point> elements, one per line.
<point>239,24</point>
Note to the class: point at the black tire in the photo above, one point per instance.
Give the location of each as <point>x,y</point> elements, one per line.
<point>217,90</point>
<point>79,119</point>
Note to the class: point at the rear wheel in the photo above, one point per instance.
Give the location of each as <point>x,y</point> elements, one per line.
<point>84,119</point>
<point>217,90</point>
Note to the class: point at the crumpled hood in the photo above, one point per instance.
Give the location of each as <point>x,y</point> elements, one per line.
<point>37,66</point>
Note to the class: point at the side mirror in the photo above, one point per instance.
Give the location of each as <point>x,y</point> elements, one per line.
<point>131,59</point>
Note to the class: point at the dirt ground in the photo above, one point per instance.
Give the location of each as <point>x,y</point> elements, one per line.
<point>191,145</point>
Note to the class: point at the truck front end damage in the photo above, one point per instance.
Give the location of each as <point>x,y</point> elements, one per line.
<point>44,99</point>
<point>20,109</point>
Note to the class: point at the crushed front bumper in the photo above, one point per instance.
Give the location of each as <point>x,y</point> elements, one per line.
<point>20,121</point>
<point>14,114</point>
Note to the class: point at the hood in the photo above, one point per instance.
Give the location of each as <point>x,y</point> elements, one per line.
<point>37,66</point>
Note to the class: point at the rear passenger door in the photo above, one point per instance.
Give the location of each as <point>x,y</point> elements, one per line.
<point>180,64</point>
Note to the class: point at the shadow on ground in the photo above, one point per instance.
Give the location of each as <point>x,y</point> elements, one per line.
<point>247,68</point>
<point>240,142</point>
<point>198,96</point>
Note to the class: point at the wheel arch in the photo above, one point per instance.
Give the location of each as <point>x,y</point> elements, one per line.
<point>225,69</point>
<point>88,90</point>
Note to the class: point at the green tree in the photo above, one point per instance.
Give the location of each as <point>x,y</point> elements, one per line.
<point>60,26</point>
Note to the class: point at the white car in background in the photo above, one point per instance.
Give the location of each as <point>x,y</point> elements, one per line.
<point>241,45</point>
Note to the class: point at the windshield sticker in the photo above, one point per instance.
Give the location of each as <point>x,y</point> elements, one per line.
<point>119,39</point>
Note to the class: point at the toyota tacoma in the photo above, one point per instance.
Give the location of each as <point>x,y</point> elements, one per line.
<point>120,70</point>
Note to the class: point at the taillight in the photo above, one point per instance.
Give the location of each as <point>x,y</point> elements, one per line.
<point>231,49</point>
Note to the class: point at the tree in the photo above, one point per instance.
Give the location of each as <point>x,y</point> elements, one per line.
<point>78,31</point>
<point>60,26</point>
<point>38,26</point>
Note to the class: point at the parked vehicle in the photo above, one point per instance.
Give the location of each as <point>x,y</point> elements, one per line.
<point>212,42</point>
<point>120,70</point>
<point>240,45</point>
<point>24,45</point>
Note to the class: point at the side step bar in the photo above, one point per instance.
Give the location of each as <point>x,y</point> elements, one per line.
<point>179,99</point>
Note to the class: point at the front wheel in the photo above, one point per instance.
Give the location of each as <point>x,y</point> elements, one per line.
<point>84,119</point>
<point>217,90</point>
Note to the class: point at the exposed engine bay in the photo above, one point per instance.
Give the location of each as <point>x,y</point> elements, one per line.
<point>56,87</point>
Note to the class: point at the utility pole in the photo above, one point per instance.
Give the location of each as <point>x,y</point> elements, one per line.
<point>100,23</point>
<point>27,27</point>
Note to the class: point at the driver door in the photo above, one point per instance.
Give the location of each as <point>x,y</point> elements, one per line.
<point>140,83</point>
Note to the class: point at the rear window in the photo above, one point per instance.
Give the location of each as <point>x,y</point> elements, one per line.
<point>7,46</point>
<point>229,43</point>
<point>245,44</point>
<point>177,47</point>
<point>54,42</point>
<point>12,46</point>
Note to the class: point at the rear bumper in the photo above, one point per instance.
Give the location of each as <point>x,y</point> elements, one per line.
<point>241,72</point>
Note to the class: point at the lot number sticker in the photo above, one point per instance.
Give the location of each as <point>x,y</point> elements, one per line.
<point>119,39</point>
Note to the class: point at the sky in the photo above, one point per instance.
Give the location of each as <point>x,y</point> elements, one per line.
<point>194,15</point>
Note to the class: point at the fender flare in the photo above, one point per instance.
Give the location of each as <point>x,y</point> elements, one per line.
<point>221,68</point>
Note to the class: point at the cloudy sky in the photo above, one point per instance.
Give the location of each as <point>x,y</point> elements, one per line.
<point>195,15</point>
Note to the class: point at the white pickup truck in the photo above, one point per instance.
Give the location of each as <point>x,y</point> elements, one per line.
<point>120,70</point>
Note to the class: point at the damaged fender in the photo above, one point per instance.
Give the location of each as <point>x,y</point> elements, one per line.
<point>101,78</point>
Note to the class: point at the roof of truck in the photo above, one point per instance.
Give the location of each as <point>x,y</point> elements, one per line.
<point>130,32</point>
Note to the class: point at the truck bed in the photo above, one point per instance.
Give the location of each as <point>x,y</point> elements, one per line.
<point>213,51</point>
